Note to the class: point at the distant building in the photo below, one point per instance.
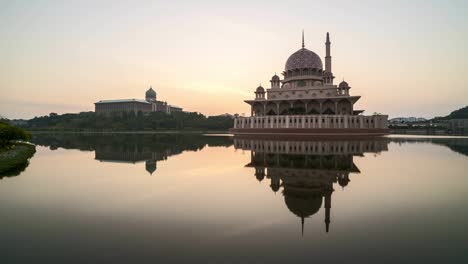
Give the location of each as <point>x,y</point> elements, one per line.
<point>150,104</point>
<point>175,108</point>
<point>229,115</point>
<point>407,119</point>
<point>18,122</point>
<point>459,126</point>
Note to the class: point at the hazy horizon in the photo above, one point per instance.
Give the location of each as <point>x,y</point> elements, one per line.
<point>404,59</point>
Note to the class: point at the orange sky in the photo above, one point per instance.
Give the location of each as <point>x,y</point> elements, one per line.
<point>404,59</point>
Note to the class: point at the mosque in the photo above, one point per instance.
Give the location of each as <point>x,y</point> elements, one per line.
<point>306,101</point>
<point>150,104</point>
<point>307,170</point>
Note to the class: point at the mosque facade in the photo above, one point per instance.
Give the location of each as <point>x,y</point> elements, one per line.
<point>149,104</point>
<point>306,101</point>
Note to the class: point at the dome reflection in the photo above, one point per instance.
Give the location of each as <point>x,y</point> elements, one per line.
<point>307,170</point>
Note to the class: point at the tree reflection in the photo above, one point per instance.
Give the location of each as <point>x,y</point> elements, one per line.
<point>131,148</point>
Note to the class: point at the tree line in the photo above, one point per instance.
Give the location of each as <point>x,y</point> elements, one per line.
<point>461,113</point>
<point>129,121</point>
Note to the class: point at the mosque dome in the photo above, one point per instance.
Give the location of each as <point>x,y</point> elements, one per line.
<point>343,84</point>
<point>303,58</point>
<point>150,93</point>
<point>275,78</point>
<point>260,89</point>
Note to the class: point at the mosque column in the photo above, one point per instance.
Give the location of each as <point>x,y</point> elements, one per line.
<point>306,110</point>
<point>336,107</point>
<point>320,103</point>
<point>277,108</point>
<point>264,109</point>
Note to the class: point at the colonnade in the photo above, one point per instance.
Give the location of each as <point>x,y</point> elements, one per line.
<point>312,121</point>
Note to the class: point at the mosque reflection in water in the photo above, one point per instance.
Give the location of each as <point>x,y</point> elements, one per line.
<point>307,170</point>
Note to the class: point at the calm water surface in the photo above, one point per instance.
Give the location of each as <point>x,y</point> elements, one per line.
<point>153,198</point>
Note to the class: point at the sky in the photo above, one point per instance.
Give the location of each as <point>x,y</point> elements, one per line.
<point>405,58</point>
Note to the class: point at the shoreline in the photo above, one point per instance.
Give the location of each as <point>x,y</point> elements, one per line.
<point>217,132</point>
<point>16,159</point>
<point>129,132</point>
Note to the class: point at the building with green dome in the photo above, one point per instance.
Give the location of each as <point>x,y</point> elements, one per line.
<point>149,104</point>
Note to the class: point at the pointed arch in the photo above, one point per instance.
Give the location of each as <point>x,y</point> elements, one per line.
<point>328,107</point>
<point>271,109</point>
<point>258,109</point>
<point>345,107</point>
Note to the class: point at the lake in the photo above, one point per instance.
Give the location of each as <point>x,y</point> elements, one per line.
<point>151,198</point>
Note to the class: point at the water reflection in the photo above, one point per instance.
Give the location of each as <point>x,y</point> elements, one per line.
<point>131,148</point>
<point>307,170</point>
<point>459,145</point>
<point>206,201</point>
<point>15,171</point>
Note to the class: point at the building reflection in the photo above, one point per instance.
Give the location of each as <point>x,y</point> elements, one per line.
<point>132,148</point>
<point>135,154</point>
<point>307,170</point>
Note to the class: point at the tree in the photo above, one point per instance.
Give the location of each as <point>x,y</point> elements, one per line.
<point>9,133</point>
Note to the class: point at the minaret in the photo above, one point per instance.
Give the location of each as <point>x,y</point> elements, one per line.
<point>303,46</point>
<point>328,66</point>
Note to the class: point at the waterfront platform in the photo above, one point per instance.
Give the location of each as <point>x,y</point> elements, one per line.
<point>312,125</point>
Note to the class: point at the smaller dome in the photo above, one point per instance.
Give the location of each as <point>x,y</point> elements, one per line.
<point>275,187</point>
<point>150,93</point>
<point>343,84</point>
<point>260,89</point>
<point>343,182</point>
<point>275,78</point>
<point>259,176</point>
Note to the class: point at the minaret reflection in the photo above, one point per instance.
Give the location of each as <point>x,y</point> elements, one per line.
<point>307,169</point>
